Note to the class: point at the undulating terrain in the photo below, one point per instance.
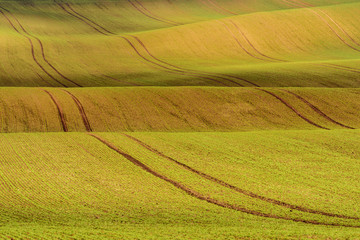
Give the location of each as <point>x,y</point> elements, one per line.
<point>180,119</point>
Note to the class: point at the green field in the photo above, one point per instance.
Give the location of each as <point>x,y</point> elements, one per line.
<point>194,119</point>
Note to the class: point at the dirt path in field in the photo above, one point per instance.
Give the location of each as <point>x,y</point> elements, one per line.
<point>202,197</point>
<point>309,7</point>
<point>317,110</point>
<point>31,45</point>
<point>151,14</point>
<point>81,111</point>
<point>292,108</point>
<point>60,111</point>
<point>228,185</point>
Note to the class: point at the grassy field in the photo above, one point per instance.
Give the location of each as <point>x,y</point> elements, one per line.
<point>195,119</point>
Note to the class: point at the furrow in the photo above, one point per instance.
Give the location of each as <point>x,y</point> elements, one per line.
<point>292,108</point>
<point>60,111</point>
<point>202,197</point>
<point>321,113</point>
<point>81,110</point>
<point>237,189</point>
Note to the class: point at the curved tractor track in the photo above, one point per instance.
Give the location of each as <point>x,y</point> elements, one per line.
<point>28,36</point>
<point>81,110</point>
<point>237,189</point>
<point>292,108</point>
<point>59,110</point>
<point>143,10</point>
<point>202,197</point>
<point>309,7</point>
<point>157,62</point>
<point>317,110</point>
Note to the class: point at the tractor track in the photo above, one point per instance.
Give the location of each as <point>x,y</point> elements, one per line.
<point>178,70</point>
<point>252,46</point>
<point>239,43</point>
<point>237,189</point>
<point>32,47</point>
<point>302,5</point>
<point>59,109</point>
<point>293,109</point>
<point>151,14</point>
<point>81,110</point>
<point>331,19</point>
<point>221,76</point>
<point>202,197</point>
<point>42,50</point>
<point>217,8</point>
<point>321,113</point>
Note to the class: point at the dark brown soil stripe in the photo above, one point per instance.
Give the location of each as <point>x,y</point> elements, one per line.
<point>81,111</point>
<point>60,112</point>
<point>32,47</point>
<point>321,113</point>
<point>292,108</point>
<point>202,197</point>
<point>228,185</point>
<point>151,13</point>
<point>42,50</point>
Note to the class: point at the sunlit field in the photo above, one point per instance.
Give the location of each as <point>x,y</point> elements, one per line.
<point>164,119</point>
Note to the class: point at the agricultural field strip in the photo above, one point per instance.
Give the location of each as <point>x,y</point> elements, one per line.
<point>310,7</point>
<point>28,37</point>
<point>184,71</point>
<point>156,61</point>
<point>230,186</point>
<point>202,197</point>
<point>191,72</point>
